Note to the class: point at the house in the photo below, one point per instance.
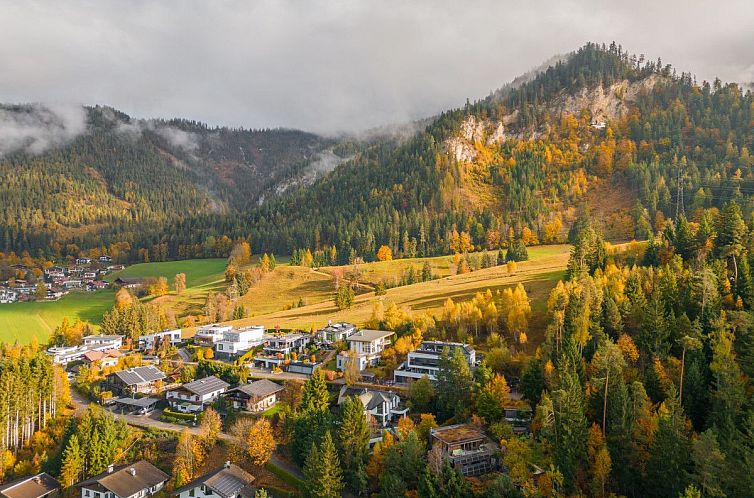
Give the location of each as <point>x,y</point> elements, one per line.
<point>105,259</point>
<point>72,283</point>
<point>63,355</point>
<point>367,346</point>
<point>83,261</point>
<point>277,348</point>
<point>257,396</point>
<point>192,397</point>
<point>335,332</point>
<point>97,285</point>
<point>236,342</point>
<point>8,296</point>
<point>135,480</point>
<point>112,341</point>
<point>153,341</point>
<point>38,486</point>
<point>426,360</point>
<point>229,481</point>
<point>135,380</point>
<point>105,359</point>
<point>208,335</point>
<point>129,283</point>
<point>466,448</point>
<point>384,406</point>
<point>90,275</point>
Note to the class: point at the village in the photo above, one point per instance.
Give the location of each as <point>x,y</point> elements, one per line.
<point>157,383</point>
<point>54,282</point>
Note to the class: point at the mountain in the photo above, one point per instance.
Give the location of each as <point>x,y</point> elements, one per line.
<point>598,130</point>
<point>86,176</point>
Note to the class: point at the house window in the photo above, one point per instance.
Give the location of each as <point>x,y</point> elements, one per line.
<point>86,492</point>
<point>192,492</point>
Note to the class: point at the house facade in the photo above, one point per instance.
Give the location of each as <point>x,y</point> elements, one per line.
<point>149,341</point>
<point>193,396</point>
<point>112,341</point>
<point>236,342</point>
<point>8,296</point>
<point>335,332</point>
<point>425,361</point>
<point>229,481</point>
<point>365,346</point>
<point>136,480</point>
<point>208,335</point>
<point>254,397</point>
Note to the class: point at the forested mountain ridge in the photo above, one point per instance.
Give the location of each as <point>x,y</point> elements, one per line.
<point>599,128</point>
<point>521,162</point>
<point>81,179</point>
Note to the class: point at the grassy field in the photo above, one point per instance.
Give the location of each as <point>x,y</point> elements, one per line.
<point>22,321</point>
<point>545,267</point>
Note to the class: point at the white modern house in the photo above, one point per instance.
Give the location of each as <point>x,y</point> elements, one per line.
<point>367,346</point>
<point>8,296</point>
<point>112,341</point>
<point>238,341</point>
<point>229,481</point>
<point>149,341</point>
<point>136,480</point>
<point>208,335</point>
<point>335,332</point>
<point>426,360</point>
<point>384,406</point>
<point>193,396</point>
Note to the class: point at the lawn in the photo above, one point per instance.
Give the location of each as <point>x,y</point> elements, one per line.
<point>286,286</point>
<point>22,321</point>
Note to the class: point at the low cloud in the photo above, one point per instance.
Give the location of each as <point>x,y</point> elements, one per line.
<point>34,128</point>
<point>179,139</point>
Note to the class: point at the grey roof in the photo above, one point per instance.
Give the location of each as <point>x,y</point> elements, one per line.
<point>138,402</point>
<point>367,335</point>
<point>126,480</point>
<point>370,398</point>
<point>30,487</point>
<point>260,388</point>
<point>206,385</point>
<point>229,480</point>
<point>140,375</point>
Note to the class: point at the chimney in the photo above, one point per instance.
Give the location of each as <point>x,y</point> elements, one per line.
<point>110,468</point>
<point>132,471</point>
<point>227,464</point>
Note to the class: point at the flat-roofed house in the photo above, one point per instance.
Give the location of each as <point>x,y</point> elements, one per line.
<point>135,480</point>
<point>136,380</point>
<point>466,448</point>
<point>156,339</point>
<point>366,346</point>
<point>335,332</point>
<point>208,335</point>
<point>257,396</point>
<point>38,486</point>
<point>229,481</point>
<point>193,396</point>
<point>426,360</point>
<point>112,341</point>
<point>236,342</point>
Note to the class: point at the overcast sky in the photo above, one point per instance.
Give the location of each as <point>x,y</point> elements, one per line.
<point>330,66</point>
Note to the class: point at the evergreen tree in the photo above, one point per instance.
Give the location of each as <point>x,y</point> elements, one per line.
<point>324,478</point>
<point>668,465</point>
<point>353,442</point>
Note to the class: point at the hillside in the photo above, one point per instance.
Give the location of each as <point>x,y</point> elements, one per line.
<point>95,176</point>
<point>597,129</point>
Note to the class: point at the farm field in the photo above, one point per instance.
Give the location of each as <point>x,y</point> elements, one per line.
<point>539,275</point>
<point>22,321</point>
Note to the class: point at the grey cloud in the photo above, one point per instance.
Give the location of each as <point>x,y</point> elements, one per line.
<point>335,65</point>
<point>35,128</point>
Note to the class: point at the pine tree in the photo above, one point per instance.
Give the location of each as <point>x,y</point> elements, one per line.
<point>353,442</point>
<point>668,465</point>
<point>73,463</point>
<point>324,478</point>
<point>315,397</point>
